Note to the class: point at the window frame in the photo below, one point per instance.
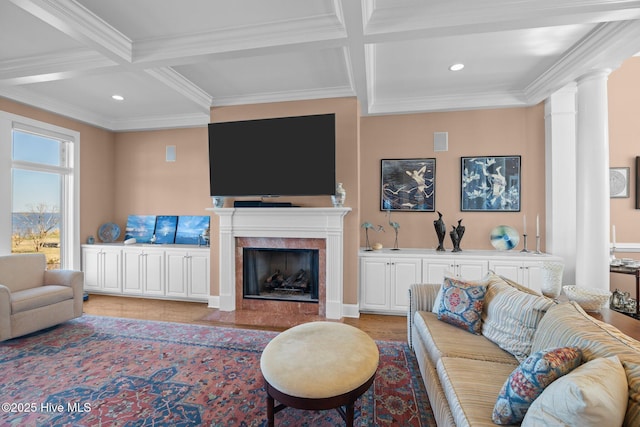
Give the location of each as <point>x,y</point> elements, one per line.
<point>70,182</point>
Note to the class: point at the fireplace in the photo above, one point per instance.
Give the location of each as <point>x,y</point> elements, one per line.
<point>277,228</point>
<point>280,274</point>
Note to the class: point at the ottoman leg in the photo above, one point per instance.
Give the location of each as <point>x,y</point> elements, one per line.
<point>270,411</point>
<point>349,415</point>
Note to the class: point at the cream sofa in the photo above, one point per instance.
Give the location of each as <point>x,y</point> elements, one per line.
<point>464,373</point>
<point>33,298</point>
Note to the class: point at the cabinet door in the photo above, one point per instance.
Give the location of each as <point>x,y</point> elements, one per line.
<point>510,269</point>
<point>404,273</point>
<point>532,275</point>
<point>199,270</point>
<point>110,270</point>
<point>434,269</point>
<point>91,260</point>
<point>153,274</point>
<point>132,270</point>
<point>374,283</point>
<point>471,269</point>
<point>176,274</point>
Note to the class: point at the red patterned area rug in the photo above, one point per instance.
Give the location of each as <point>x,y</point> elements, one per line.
<point>119,372</point>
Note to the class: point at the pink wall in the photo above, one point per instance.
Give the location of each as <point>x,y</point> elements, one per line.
<point>514,131</point>
<point>624,146</point>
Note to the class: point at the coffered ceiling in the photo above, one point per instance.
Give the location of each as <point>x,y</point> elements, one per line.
<point>173,60</point>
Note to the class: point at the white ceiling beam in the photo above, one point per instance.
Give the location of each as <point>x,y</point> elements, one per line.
<point>355,56</point>
<point>77,22</point>
<point>605,47</point>
<point>184,87</point>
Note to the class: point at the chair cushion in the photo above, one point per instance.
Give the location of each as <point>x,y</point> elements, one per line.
<point>39,297</point>
<point>22,271</point>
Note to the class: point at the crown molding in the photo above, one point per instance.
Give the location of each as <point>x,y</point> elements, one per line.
<point>448,103</point>
<point>73,19</point>
<point>334,92</point>
<point>605,47</point>
<point>182,86</point>
<point>52,66</point>
<point>316,29</point>
<point>172,121</point>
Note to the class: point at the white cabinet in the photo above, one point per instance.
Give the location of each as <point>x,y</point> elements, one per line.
<point>384,283</point>
<point>188,274</point>
<point>527,273</point>
<point>386,275</point>
<point>167,271</point>
<point>102,268</point>
<point>143,271</point>
<point>435,268</point>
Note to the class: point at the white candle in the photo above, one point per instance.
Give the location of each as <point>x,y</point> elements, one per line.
<point>613,235</point>
<point>524,224</point>
<point>537,225</point>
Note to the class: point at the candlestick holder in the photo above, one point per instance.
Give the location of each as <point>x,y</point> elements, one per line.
<point>537,245</point>
<point>524,243</point>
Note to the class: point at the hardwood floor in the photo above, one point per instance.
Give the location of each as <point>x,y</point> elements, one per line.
<point>379,327</point>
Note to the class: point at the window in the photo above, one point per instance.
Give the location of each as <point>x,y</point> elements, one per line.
<point>42,187</point>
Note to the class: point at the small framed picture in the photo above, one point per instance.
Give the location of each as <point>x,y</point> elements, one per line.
<point>490,184</point>
<point>618,182</point>
<point>408,185</point>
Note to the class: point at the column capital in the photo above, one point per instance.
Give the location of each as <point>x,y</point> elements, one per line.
<point>595,74</point>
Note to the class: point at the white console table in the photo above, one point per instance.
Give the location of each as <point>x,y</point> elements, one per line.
<point>385,275</point>
<point>179,272</point>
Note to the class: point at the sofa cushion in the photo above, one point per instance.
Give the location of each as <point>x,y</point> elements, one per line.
<point>444,340</point>
<point>530,379</point>
<point>511,316</point>
<point>39,297</point>
<point>567,324</point>
<point>632,418</point>
<point>471,387</point>
<point>594,394</point>
<point>461,303</point>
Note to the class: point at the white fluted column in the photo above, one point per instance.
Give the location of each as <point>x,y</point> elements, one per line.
<point>592,174</point>
<point>560,178</point>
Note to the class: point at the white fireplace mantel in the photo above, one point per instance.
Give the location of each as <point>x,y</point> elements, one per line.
<point>319,223</point>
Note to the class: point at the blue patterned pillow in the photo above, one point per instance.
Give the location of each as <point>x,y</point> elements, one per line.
<point>461,304</point>
<point>529,380</point>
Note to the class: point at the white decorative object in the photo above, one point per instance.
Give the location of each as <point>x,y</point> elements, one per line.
<point>218,201</point>
<point>551,275</point>
<point>590,299</point>
<point>338,198</point>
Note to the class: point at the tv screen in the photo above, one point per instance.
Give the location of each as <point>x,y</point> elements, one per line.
<point>288,156</point>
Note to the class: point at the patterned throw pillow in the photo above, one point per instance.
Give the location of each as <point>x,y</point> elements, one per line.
<point>632,417</point>
<point>462,303</point>
<point>529,380</point>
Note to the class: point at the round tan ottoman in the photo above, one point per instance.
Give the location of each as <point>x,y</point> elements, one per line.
<point>317,366</point>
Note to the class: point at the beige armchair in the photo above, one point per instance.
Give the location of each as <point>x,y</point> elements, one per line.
<point>34,298</point>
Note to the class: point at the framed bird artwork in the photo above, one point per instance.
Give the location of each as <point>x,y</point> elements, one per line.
<point>408,185</point>
<point>490,184</point>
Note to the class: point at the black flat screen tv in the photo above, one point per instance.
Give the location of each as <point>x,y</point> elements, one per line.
<point>287,156</point>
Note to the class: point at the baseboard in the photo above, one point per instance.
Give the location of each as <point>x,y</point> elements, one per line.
<point>351,310</point>
<point>214,301</point>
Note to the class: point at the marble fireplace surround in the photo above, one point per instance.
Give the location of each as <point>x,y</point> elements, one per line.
<point>283,223</point>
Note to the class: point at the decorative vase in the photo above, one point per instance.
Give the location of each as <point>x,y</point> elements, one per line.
<point>338,198</point>
<point>218,201</point>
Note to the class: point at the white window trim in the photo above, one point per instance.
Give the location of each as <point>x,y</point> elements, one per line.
<point>71,221</point>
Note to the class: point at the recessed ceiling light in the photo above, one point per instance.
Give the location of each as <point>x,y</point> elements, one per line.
<point>118,97</point>
<point>456,67</point>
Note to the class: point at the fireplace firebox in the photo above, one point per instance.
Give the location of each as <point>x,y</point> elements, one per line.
<point>281,274</point>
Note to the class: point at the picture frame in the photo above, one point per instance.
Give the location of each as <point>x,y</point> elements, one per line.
<point>637,182</point>
<point>619,182</point>
<point>408,185</point>
<point>490,184</point>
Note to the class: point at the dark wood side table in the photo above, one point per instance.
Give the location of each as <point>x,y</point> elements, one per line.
<point>634,271</point>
